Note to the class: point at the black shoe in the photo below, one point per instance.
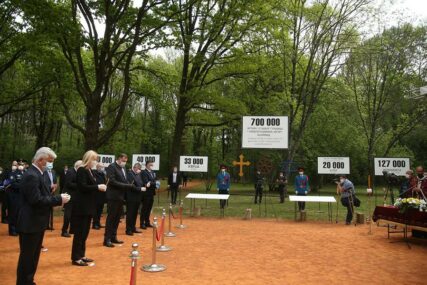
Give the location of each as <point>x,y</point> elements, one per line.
<point>13,234</point>
<point>96,227</point>
<point>129,233</point>
<point>79,263</point>
<point>137,231</point>
<point>108,243</point>
<point>101,226</point>
<point>65,234</point>
<point>143,227</point>
<point>116,241</point>
<point>88,260</point>
<point>149,225</point>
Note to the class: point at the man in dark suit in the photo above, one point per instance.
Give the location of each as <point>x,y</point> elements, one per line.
<point>70,187</point>
<point>100,196</point>
<point>62,176</point>
<point>117,185</point>
<point>174,183</point>
<point>149,182</point>
<point>133,199</point>
<point>36,202</point>
<point>51,182</point>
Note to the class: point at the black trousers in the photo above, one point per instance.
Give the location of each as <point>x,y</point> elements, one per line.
<point>3,201</point>
<point>147,205</point>
<point>67,217</point>
<point>174,193</point>
<point>81,228</point>
<point>114,212</point>
<point>98,213</point>
<point>222,203</point>
<point>12,201</point>
<point>258,193</point>
<point>301,205</point>
<point>282,193</point>
<point>345,201</point>
<point>131,215</point>
<point>30,247</point>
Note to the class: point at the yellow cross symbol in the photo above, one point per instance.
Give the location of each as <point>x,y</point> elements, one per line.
<point>241,163</point>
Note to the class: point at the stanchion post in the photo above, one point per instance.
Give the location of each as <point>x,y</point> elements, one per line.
<point>134,255</point>
<point>162,246</point>
<point>170,233</point>
<point>181,211</point>
<point>153,267</point>
<point>369,191</point>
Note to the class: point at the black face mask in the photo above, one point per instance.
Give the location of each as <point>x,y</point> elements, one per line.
<point>420,175</point>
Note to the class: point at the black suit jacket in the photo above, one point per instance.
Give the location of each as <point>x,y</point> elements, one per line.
<point>178,180</point>
<point>149,177</point>
<point>84,202</point>
<point>36,202</point>
<point>134,195</point>
<point>62,181</point>
<point>118,183</point>
<point>70,183</point>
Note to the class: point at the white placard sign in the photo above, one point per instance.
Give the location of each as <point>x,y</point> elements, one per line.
<point>265,132</point>
<point>397,166</point>
<point>143,158</point>
<point>193,163</point>
<point>333,165</point>
<point>106,159</point>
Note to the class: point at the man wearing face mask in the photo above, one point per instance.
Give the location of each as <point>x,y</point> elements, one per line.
<point>149,182</point>
<point>302,187</point>
<point>101,178</point>
<point>346,189</point>
<point>282,182</point>
<point>223,184</point>
<point>13,197</point>
<point>117,185</point>
<point>50,179</point>
<point>259,182</point>
<point>35,202</point>
<point>133,199</point>
<point>174,184</point>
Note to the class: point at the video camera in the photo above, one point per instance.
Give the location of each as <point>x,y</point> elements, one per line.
<point>391,178</point>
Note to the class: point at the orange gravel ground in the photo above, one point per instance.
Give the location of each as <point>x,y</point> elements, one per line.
<point>233,251</point>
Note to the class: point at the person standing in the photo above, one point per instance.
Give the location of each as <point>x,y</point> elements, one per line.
<point>3,198</point>
<point>347,191</point>
<point>421,186</point>
<point>62,176</point>
<point>133,199</point>
<point>302,186</point>
<point>100,197</point>
<point>36,202</point>
<point>282,182</point>
<point>409,185</point>
<point>184,179</point>
<point>118,184</point>
<point>174,184</point>
<point>51,181</point>
<point>84,207</point>
<point>70,187</point>
<point>149,182</point>
<point>259,182</point>
<point>223,184</point>
<point>13,197</point>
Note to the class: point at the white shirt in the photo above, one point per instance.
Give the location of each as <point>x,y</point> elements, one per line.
<point>174,177</point>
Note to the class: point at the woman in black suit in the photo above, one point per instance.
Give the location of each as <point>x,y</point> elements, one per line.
<point>84,206</point>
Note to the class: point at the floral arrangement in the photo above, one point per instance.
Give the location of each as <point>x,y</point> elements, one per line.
<point>410,203</point>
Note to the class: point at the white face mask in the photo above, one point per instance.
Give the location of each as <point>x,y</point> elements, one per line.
<point>407,176</point>
<point>223,170</point>
<point>1,172</point>
<point>301,173</point>
<point>20,167</point>
<point>14,167</point>
<point>49,165</point>
<point>175,170</point>
<point>342,180</point>
<point>138,171</point>
<point>122,164</point>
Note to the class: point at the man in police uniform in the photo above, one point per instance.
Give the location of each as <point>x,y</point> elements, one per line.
<point>12,190</point>
<point>149,182</point>
<point>259,181</point>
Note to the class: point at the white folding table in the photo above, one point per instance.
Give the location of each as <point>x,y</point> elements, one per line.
<point>319,199</point>
<point>194,196</point>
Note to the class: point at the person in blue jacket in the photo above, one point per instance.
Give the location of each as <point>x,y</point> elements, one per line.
<point>223,183</point>
<point>302,186</point>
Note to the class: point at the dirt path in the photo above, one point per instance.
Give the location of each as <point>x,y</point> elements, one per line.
<point>232,251</point>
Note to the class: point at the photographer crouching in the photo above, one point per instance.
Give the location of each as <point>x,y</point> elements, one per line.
<point>345,188</point>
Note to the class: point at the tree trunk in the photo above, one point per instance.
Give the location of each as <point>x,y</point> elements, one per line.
<point>178,135</point>
<point>92,128</point>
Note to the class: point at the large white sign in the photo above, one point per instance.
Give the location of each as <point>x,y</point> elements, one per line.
<point>106,159</point>
<point>265,132</point>
<point>397,166</point>
<point>143,158</point>
<point>333,165</point>
<point>193,164</point>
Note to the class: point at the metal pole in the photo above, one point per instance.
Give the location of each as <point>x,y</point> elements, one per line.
<point>170,233</point>
<point>153,267</point>
<point>134,255</point>
<point>162,246</point>
<point>181,209</point>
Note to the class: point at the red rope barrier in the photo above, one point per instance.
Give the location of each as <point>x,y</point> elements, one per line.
<point>160,233</point>
<point>173,216</point>
<point>131,275</point>
<point>180,212</point>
